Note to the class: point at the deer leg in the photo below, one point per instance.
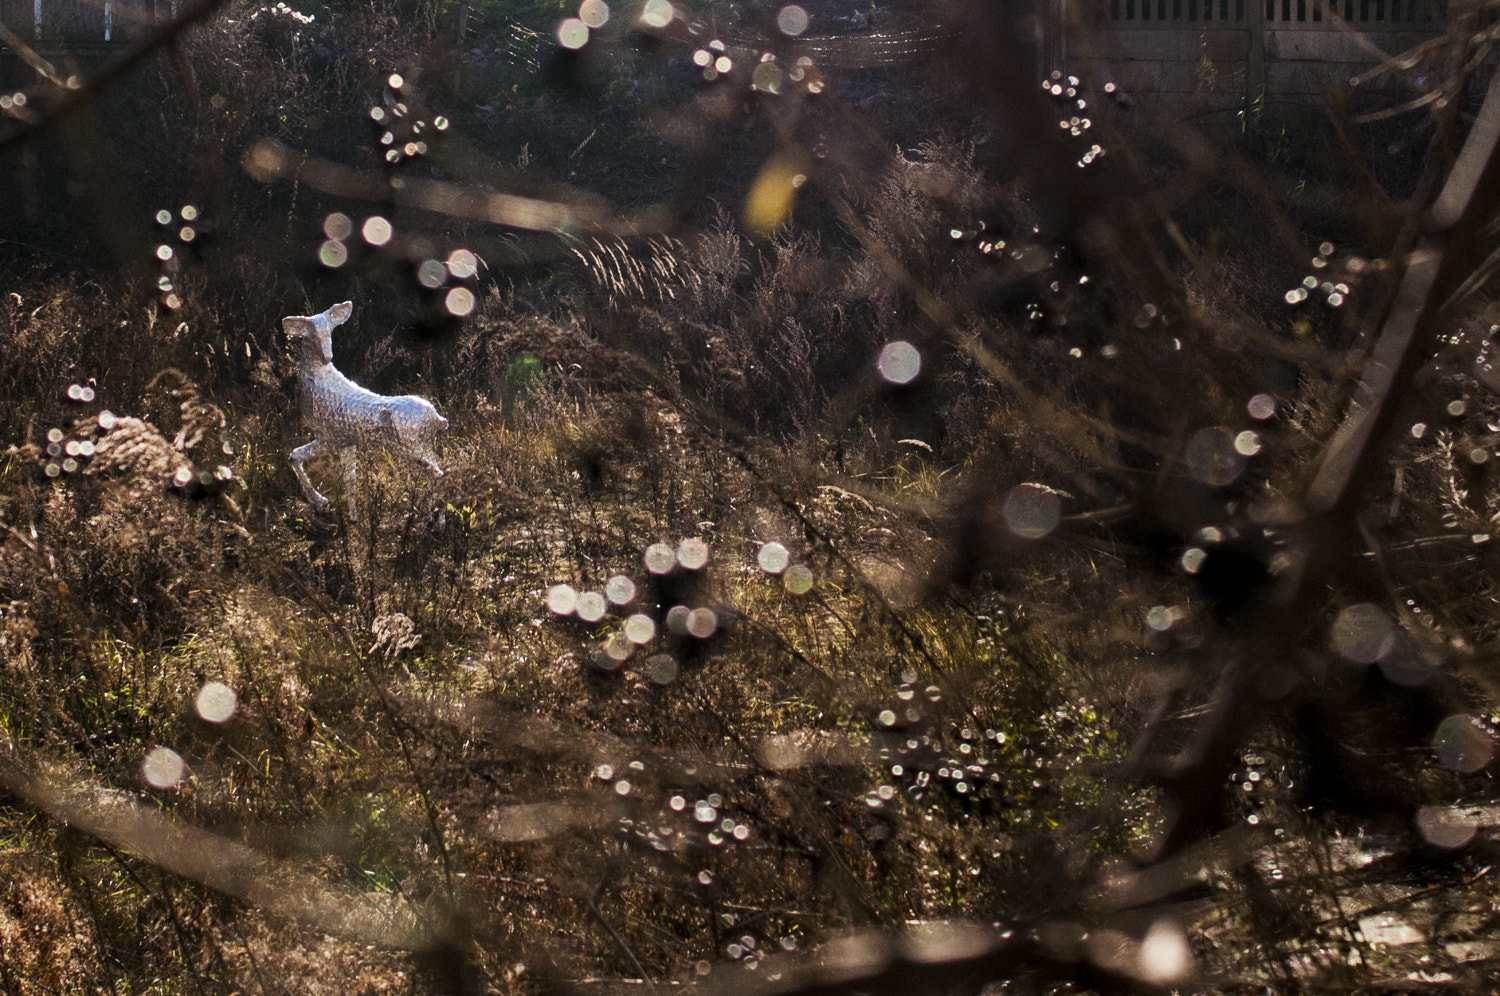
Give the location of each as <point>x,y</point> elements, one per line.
<point>300,456</point>
<point>349,456</point>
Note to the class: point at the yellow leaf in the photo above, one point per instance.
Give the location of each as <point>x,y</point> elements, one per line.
<point>774,192</point>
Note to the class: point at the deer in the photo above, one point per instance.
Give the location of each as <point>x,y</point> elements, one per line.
<point>345,417</point>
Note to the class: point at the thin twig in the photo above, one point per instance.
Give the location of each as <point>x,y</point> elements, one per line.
<point>592,901</point>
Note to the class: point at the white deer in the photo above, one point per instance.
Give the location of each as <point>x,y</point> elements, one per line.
<point>345,416</point>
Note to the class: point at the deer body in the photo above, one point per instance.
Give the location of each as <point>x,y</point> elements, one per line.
<point>345,417</point>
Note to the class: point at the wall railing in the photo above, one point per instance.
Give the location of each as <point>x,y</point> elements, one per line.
<point>1366,14</point>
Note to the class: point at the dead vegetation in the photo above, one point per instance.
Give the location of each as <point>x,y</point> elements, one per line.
<point>1005,574</point>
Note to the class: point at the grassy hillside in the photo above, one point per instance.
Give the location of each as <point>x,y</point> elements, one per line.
<point>887,540</point>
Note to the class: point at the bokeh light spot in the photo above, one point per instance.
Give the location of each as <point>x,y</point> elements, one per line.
<point>692,553</point>
<point>661,669</point>
<point>562,599</point>
<point>460,302</point>
<point>773,558</point>
<point>1163,617</point>
<point>462,264</point>
<point>1406,664</point>
<point>619,589</point>
<point>657,13</point>
<point>265,160</point>
<point>591,606</point>
<point>660,558</point>
<point>767,77</point>
<point>702,623</point>
<point>431,274</point>
<point>1443,827</point>
<point>163,768</point>
<point>1247,443</point>
<point>1462,745</point>
<point>594,13</point>
<point>1212,457</point>
<point>677,620</point>
<point>216,702</point>
<point>338,226</point>
<point>792,20</point>
<point>617,648</point>
<point>572,33</point>
<point>899,362</point>
<point>798,579</point>
<point>333,254</point>
<point>1031,511</point>
<point>1363,633</point>
<point>640,628</point>
<point>1261,407</point>
<point>376,230</point>
<point>1165,954</point>
<point>395,81</point>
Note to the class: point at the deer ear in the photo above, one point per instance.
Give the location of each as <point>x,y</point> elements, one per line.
<point>297,325</point>
<point>339,313</point>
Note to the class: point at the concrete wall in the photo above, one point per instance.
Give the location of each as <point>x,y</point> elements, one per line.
<point>1181,55</point>
<point>81,21</point>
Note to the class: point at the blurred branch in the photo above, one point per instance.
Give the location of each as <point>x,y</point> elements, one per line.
<point>1277,611</point>
<point>1438,265</point>
<point>120,820</point>
<point>269,159</point>
<point>950,956</point>
<point>30,56</point>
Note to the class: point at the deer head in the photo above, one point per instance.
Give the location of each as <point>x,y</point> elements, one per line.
<point>317,330</point>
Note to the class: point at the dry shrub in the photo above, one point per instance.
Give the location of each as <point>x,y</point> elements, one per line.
<point>44,947</point>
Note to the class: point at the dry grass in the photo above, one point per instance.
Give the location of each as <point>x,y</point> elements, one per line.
<point>439,777</point>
